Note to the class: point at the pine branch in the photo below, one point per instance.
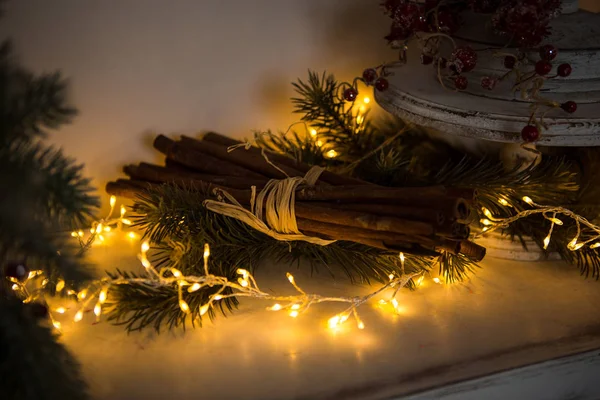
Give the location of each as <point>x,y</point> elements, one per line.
<point>301,148</point>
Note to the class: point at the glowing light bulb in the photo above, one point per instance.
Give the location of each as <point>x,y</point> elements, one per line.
<point>274,307</point>
<point>362,109</point>
<point>361,325</point>
<point>486,221</point>
<point>243,282</point>
<point>437,280</point>
<point>81,295</point>
<point>313,132</point>
<point>217,297</point>
<point>206,250</point>
<point>319,143</point>
<point>401,258</point>
<point>295,307</point>
<point>290,277</point>
<point>293,314</point>
<point>60,310</point>
<point>145,262</point>
<point>102,296</point>
<point>45,282</point>
<point>367,100</point>
<point>331,153</point>
<point>101,238</point>
<point>333,322</point>
<point>123,211</point>
<point>98,309</point>
<point>176,273</point>
<point>572,244</point>
<point>184,306</point>
<point>528,200</point>
<point>131,235</point>
<point>595,245</point>
<point>183,282</point>
<point>395,303</point>
<point>359,119</point>
<point>420,281</point>
<point>204,309</point>
<point>194,287</point>
<point>15,287</point>
<point>391,276</point>
<point>546,242</point>
<point>486,212</point>
<point>382,302</point>
<point>113,201</point>
<point>80,233</point>
<point>145,247</point>
<point>242,272</point>
<point>126,221</point>
<point>56,324</point>
<point>74,234</point>
<point>78,316</point>
<point>555,220</point>
<point>503,202</point>
<point>99,228</point>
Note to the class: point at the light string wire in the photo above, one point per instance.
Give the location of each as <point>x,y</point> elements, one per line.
<point>492,223</point>
<point>245,286</point>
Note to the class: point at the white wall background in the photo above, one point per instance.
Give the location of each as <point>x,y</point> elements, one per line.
<point>173,66</point>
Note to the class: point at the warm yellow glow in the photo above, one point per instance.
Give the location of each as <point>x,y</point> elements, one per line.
<point>486,228</point>
<point>45,282</point>
<point>243,282</point>
<point>486,212</point>
<point>242,272</point>
<point>204,309</point>
<point>206,250</point>
<point>33,274</point>
<point>319,143</point>
<point>362,109</point>
<point>217,297</point>
<point>98,309</point>
<point>593,246</point>
<point>391,276</point>
<point>486,221</point>
<point>107,229</point>
<point>101,238</point>
<point>113,201</point>
<point>71,292</point>
<point>382,301</point>
<point>74,234</point>
<point>145,247</point>
<point>572,244</point>
<point>503,202</point>
<point>395,303</point>
<point>78,316</point>
<point>56,324</point>
<point>183,282</point>
<point>437,280</point>
<point>92,230</point>
<point>546,242</point>
<point>102,296</point>
<point>420,281</point>
<point>15,287</point>
<point>274,307</point>
<point>60,310</point>
<point>367,100</point>
<point>176,273</point>
<point>293,314</point>
<point>81,295</point>
<point>80,233</point>
<point>361,325</point>
<point>99,228</point>
<point>555,220</point>
<point>359,119</point>
<point>528,200</point>
<point>295,307</point>
<point>126,221</point>
<point>184,306</point>
<point>194,287</point>
<point>331,153</point>
<point>131,235</point>
<point>313,132</point>
<point>145,261</point>
<point>402,258</point>
<point>123,211</point>
<point>290,277</point>
<point>334,321</point>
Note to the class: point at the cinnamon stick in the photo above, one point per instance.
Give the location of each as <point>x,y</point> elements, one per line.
<point>250,160</point>
<point>155,173</point>
<point>199,161</point>
<point>435,217</point>
<point>413,195</point>
<point>280,159</point>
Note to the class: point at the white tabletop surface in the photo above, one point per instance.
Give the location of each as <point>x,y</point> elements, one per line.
<point>508,314</point>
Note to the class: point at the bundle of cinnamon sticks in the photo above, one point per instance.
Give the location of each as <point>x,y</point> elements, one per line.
<point>417,220</point>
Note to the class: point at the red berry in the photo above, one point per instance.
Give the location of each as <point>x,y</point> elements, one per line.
<point>426,59</point>
<point>564,70</point>
<point>488,83</point>
<point>509,62</point>
<point>369,75</point>
<point>543,67</point>
<point>530,133</point>
<point>350,94</point>
<point>461,82</point>
<point>467,57</point>
<point>382,84</point>
<point>548,52</point>
<point>569,106</point>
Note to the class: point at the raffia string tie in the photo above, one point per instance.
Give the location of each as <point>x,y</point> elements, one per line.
<point>278,200</point>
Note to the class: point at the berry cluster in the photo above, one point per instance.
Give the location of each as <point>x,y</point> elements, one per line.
<point>525,22</point>
<point>370,76</point>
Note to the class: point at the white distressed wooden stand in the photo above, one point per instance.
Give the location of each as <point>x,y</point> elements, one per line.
<point>415,94</point>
